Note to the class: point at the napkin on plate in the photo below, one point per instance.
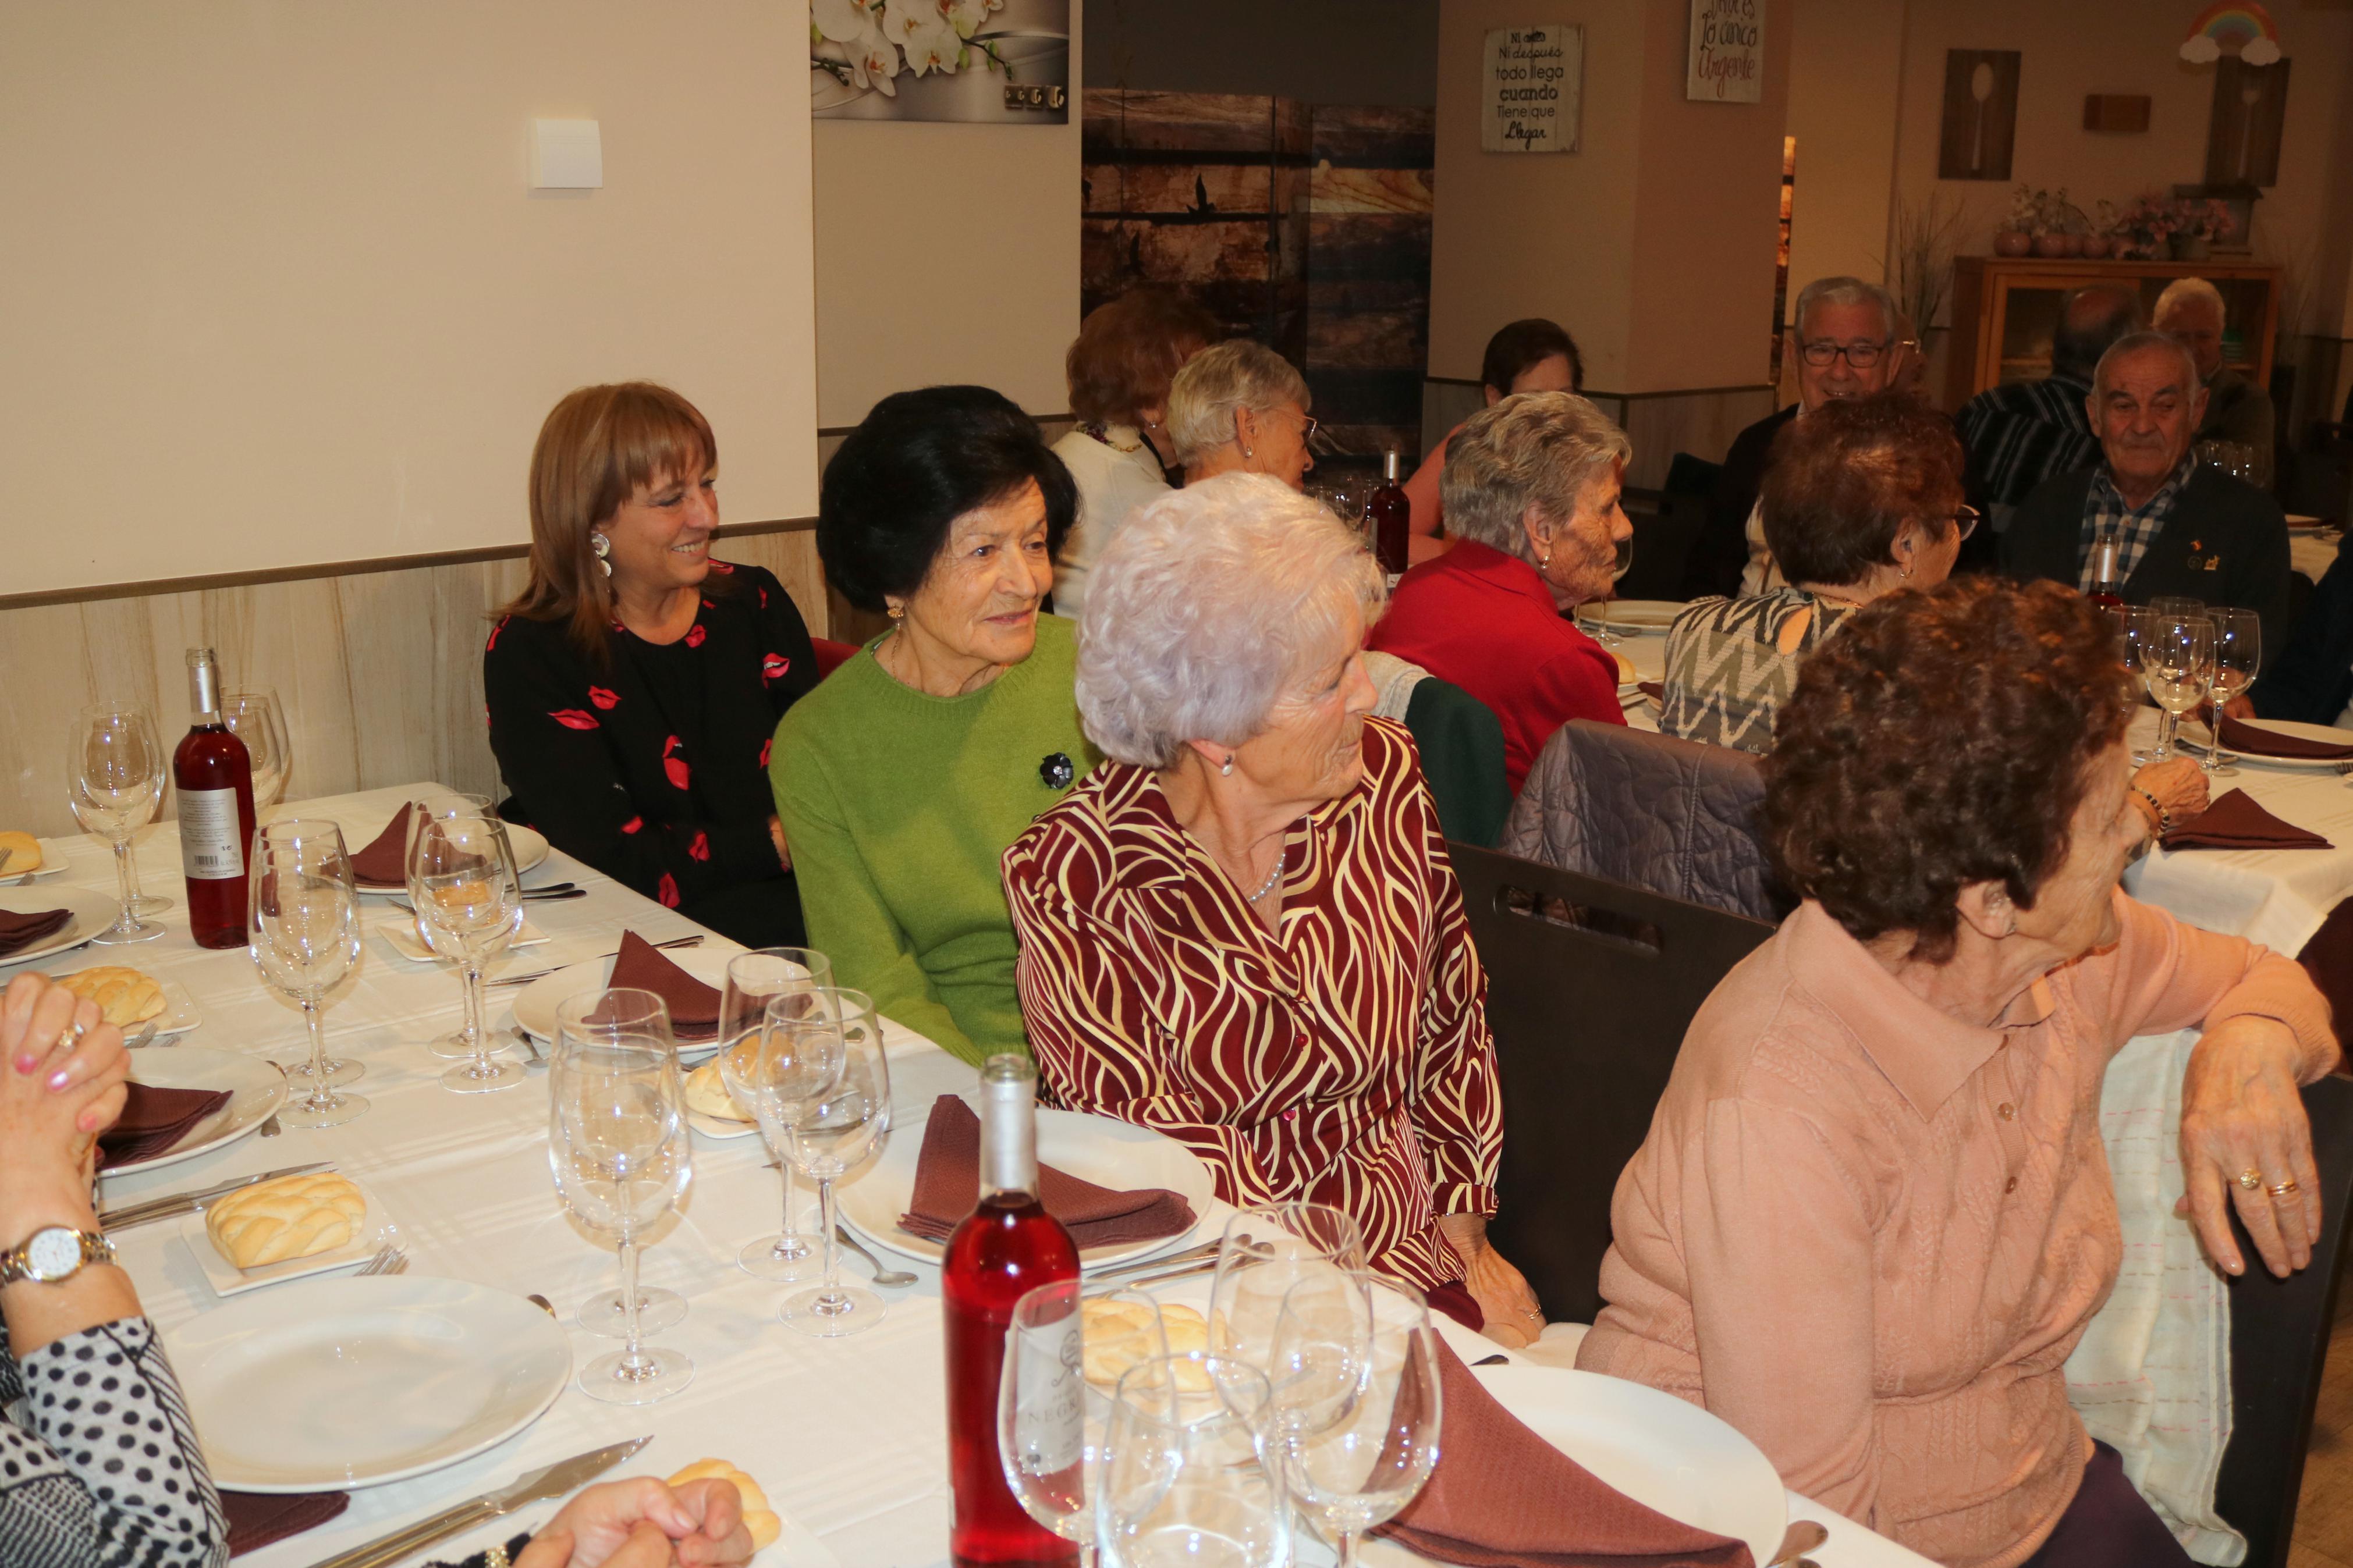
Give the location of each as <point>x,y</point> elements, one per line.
<point>2236,822</point>
<point>384,862</point>
<point>694,1006</point>
<point>947,1186</point>
<point>257,1519</point>
<point>2258,742</point>
<point>153,1120</point>
<point>1656,691</point>
<point>1502,1496</point>
<point>22,930</point>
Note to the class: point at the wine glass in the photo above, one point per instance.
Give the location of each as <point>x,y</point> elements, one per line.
<point>2139,625</point>
<point>753,980</point>
<point>458,1044</point>
<point>1186,1475</point>
<point>639,1013</point>
<point>1624,564</point>
<point>254,718</point>
<point>2179,607</point>
<point>1265,1253</point>
<point>618,1147</point>
<point>114,777</point>
<point>827,1084</point>
<point>468,902</point>
<point>2237,658</point>
<point>319,1068</point>
<point>1355,1403</point>
<point>302,928</point>
<point>2176,662</point>
<point>1063,1360</point>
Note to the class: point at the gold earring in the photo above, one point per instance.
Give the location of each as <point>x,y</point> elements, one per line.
<point>897,612</point>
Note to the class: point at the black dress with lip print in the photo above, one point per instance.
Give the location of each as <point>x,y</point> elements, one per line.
<point>654,768</point>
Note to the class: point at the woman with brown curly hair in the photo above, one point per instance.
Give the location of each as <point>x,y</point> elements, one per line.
<point>1874,1215</point>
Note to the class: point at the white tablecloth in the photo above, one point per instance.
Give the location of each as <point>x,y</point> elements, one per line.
<point>847,1437</point>
<point>2312,554</point>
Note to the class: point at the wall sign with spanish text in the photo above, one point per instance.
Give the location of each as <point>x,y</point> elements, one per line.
<point>1727,51</point>
<point>1535,85</point>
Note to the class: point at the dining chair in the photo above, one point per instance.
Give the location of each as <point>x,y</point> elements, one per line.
<point>1591,985</point>
<point>2279,1343</point>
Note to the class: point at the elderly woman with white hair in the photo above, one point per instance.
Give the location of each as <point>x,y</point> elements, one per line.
<point>1242,929</point>
<point>1532,486</point>
<point>1241,407</point>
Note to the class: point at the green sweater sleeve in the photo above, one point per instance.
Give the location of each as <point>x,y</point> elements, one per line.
<point>846,917</point>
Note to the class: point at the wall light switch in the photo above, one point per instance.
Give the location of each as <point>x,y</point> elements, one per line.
<point>566,156</point>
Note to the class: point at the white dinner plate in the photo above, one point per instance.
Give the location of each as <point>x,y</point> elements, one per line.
<point>399,935</point>
<point>536,1003</point>
<point>2302,732</point>
<point>1635,614</point>
<point>256,1091</point>
<point>91,913</point>
<point>1109,1154</point>
<point>178,1017</point>
<point>332,1385</point>
<point>375,1232</point>
<point>719,1127</point>
<point>1665,1453</point>
<point>2303,521</point>
<point>530,848</point>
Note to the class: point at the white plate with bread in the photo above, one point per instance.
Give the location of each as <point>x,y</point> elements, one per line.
<point>296,1226</point>
<point>24,857</point>
<point>130,999</point>
<point>711,1109</point>
<point>257,1089</point>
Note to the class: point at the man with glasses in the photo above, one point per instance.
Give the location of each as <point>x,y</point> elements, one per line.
<point>2180,528</point>
<point>1849,343</point>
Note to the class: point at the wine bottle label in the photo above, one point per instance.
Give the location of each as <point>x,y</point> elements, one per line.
<point>1049,1423</point>
<point>211,848</point>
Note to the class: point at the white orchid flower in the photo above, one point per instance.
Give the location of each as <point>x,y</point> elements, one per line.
<point>838,21</point>
<point>876,60</point>
<point>967,16</point>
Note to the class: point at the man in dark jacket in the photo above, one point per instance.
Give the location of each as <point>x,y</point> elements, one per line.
<point>2179,528</point>
<point>2311,680</point>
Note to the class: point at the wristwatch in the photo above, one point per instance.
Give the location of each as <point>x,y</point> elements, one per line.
<point>53,1255</point>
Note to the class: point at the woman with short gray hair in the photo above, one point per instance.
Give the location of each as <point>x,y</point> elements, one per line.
<point>1241,407</point>
<point>1532,485</point>
<point>1242,930</point>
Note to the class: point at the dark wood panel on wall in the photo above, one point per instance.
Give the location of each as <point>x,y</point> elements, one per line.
<point>1306,228</point>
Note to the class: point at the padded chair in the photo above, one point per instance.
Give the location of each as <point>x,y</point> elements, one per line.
<point>2279,1342</point>
<point>1590,987</point>
<point>1665,524</point>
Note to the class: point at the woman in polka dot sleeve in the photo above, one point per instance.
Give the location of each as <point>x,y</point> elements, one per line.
<point>634,685</point>
<point>99,1465</point>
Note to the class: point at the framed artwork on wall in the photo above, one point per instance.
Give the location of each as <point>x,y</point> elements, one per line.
<point>2242,137</point>
<point>977,62</point>
<point>1980,115</point>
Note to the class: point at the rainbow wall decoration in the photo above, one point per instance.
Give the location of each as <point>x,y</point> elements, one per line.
<point>2232,26</point>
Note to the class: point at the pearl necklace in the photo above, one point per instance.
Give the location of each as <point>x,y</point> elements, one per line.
<point>1272,878</point>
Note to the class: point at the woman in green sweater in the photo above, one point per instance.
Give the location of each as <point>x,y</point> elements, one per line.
<point>903,777</point>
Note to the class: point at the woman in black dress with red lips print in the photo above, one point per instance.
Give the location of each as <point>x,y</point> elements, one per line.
<point>634,685</point>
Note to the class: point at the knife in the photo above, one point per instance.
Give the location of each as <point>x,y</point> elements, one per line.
<point>557,1480</point>
<point>183,1202</point>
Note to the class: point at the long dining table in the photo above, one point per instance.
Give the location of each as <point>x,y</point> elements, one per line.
<point>845,1436</point>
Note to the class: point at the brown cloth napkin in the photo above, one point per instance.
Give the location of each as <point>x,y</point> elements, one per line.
<point>1502,1496</point>
<point>384,863</point>
<point>947,1186</point>
<point>2257,741</point>
<point>1656,691</point>
<point>257,1519</point>
<point>154,1120</point>
<point>694,1006</point>
<point>2236,822</point>
<point>22,930</point>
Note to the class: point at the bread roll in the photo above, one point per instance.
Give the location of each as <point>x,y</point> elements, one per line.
<point>124,996</point>
<point>1119,1334</point>
<point>758,1518</point>
<point>19,853</point>
<point>706,1091</point>
<point>293,1216</point>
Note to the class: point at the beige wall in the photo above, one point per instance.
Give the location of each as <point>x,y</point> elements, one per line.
<point>1845,73</point>
<point>946,253</point>
<point>277,294</point>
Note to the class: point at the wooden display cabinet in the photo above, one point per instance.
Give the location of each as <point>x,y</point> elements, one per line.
<point>2006,308</point>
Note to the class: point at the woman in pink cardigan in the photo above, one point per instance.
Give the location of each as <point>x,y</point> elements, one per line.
<point>1874,1214</point>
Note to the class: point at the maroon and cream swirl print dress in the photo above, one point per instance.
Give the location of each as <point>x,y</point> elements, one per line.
<point>1346,1060</point>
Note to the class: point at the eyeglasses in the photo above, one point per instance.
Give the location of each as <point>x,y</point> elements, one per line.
<point>1862,354</point>
<point>1966,520</point>
<point>1307,428</point>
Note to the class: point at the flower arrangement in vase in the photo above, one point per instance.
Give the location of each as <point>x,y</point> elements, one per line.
<point>2016,235</point>
<point>2182,226</point>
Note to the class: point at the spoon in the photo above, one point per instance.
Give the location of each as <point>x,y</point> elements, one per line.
<point>882,1276</point>
<point>1801,1538</point>
<point>542,1303</point>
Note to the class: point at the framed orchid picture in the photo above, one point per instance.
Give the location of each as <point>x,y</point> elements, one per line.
<point>993,62</point>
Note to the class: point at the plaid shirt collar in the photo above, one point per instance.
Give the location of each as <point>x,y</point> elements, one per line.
<point>2134,528</point>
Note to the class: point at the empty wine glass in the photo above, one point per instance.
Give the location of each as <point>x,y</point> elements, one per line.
<point>1186,1475</point>
<point>621,1154</point>
<point>1265,1253</point>
<point>1063,1360</point>
<point>318,1068</point>
<point>460,1043</point>
<point>1623,565</point>
<point>254,718</point>
<point>2176,662</point>
<point>638,1014</point>
<point>827,1083</point>
<point>1355,1403</point>
<point>303,930</point>
<point>468,902</point>
<point>2139,625</point>
<point>2237,658</point>
<point>114,776</point>
<point>753,980</point>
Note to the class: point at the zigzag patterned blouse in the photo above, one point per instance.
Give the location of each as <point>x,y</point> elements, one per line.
<point>1731,663</point>
<point>1346,1060</point>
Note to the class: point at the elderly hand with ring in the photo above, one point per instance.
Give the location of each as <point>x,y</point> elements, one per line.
<point>2245,1142</point>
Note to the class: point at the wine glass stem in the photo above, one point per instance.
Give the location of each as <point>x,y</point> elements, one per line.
<point>2167,723</point>
<point>785,1168</point>
<point>825,1235</point>
<point>631,1358</point>
<point>477,1030</point>
<point>318,1099</point>
<point>131,870</point>
<point>130,916</point>
<point>1347,1553</point>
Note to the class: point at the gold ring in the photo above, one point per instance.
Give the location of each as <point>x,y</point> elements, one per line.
<point>71,1035</point>
<point>2250,1178</point>
<point>2284,1189</point>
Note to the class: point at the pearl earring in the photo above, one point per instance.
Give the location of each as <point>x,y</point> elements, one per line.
<point>603,547</point>
<point>1248,453</point>
<point>1544,555</point>
<point>1225,768</point>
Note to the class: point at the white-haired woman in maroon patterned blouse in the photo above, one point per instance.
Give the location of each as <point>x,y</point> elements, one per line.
<point>1243,930</point>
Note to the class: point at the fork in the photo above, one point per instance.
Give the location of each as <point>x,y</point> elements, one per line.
<point>391,1259</point>
<point>695,940</point>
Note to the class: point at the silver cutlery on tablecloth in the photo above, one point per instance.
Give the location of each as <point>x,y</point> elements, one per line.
<point>558,1479</point>
<point>186,1203</point>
